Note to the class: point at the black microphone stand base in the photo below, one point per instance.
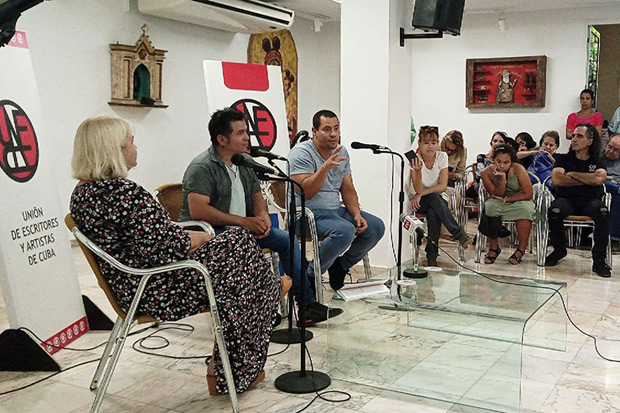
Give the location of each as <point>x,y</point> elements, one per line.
<point>292,336</point>
<point>413,273</point>
<point>301,382</point>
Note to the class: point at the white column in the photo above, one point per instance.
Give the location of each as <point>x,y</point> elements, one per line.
<point>376,105</point>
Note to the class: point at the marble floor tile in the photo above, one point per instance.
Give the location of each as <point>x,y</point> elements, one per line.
<point>458,355</point>
<point>569,400</point>
<point>389,401</point>
<point>437,381</point>
<point>46,397</point>
<point>592,378</point>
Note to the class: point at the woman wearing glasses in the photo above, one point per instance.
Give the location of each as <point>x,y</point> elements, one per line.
<point>429,178</point>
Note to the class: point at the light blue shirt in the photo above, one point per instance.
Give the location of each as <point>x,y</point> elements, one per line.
<point>304,158</point>
<point>613,169</point>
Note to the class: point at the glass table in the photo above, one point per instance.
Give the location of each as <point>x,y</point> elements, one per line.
<point>455,336</point>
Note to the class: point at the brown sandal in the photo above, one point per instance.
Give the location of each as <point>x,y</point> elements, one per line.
<point>492,259</point>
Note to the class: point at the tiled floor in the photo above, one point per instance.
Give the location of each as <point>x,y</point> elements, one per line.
<point>575,380</point>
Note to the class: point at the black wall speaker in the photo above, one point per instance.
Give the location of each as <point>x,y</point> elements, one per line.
<point>444,15</point>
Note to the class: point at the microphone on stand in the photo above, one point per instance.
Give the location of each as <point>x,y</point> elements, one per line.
<point>244,160</point>
<point>371,146</point>
<point>413,225</point>
<point>256,152</point>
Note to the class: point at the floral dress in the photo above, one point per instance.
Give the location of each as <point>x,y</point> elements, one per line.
<point>125,220</point>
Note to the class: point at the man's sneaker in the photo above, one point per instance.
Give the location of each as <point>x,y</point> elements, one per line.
<point>601,269</point>
<point>317,312</point>
<point>555,257</point>
<point>336,275</point>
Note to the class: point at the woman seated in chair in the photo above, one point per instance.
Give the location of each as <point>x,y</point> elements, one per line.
<point>452,145</point>
<point>124,219</point>
<point>429,178</point>
<point>482,161</point>
<point>510,197</point>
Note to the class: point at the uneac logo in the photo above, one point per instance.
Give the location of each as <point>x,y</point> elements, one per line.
<point>261,123</point>
<point>19,150</point>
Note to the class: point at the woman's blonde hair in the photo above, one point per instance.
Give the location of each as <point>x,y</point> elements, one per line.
<point>97,148</point>
<point>456,137</point>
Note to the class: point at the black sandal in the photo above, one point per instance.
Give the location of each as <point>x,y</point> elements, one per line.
<point>497,251</point>
<point>517,260</point>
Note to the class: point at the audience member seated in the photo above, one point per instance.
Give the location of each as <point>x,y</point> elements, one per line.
<point>587,114</point>
<point>527,149</point>
<point>578,176</point>
<point>482,161</point>
<point>612,157</point>
<point>226,195</point>
<point>123,219</point>
<point>453,145</point>
<point>429,178</point>
<point>543,160</point>
<point>322,167</point>
<point>510,197</point>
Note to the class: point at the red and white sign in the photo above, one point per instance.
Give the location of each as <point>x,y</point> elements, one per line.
<point>256,90</point>
<point>37,275</point>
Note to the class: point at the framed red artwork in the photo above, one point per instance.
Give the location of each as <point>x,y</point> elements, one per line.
<point>506,82</point>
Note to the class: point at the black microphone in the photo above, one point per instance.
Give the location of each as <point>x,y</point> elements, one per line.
<point>244,160</point>
<point>372,146</point>
<point>256,152</point>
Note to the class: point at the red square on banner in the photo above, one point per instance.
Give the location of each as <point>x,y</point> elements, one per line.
<point>244,76</point>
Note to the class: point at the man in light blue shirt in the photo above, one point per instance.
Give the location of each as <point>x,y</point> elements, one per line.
<point>614,123</point>
<point>322,167</point>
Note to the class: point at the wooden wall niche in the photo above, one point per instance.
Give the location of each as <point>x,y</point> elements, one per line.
<point>508,82</point>
<point>137,73</point>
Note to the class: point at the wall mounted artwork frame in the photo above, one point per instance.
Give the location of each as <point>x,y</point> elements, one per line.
<point>506,82</point>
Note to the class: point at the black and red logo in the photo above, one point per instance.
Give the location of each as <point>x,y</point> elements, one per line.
<point>261,123</point>
<point>19,148</point>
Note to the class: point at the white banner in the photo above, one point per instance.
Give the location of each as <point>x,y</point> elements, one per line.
<point>37,274</point>
<point>256,90</point>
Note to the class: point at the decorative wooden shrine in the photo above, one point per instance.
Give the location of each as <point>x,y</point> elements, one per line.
<point>137,73</point>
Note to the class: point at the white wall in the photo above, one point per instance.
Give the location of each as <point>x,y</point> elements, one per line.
<point>69,47</point>
<point>439,71</point>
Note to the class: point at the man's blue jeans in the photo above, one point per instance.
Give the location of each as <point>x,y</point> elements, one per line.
<point>278,240</point>
<point>338,230</point>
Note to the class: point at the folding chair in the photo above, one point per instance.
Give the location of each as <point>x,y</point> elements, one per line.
<point>127,320</point>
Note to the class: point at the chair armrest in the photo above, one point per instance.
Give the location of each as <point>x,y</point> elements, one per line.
<point>205,226</point>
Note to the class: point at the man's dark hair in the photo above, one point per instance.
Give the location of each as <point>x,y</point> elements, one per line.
<point>507,149</point>
<point>316,119</point>
<point>220,123</point>
<point>595,147</point>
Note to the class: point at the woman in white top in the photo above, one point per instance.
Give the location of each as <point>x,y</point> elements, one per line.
<point>429,177</point>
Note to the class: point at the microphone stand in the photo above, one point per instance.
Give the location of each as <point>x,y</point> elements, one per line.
<point>290,335</point>
<point>401,206</point>
<point>302,381</point>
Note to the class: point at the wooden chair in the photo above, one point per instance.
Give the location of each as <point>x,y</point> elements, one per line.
<point>126,320</point>
<point>170,196</point>
<point>275,194</point>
